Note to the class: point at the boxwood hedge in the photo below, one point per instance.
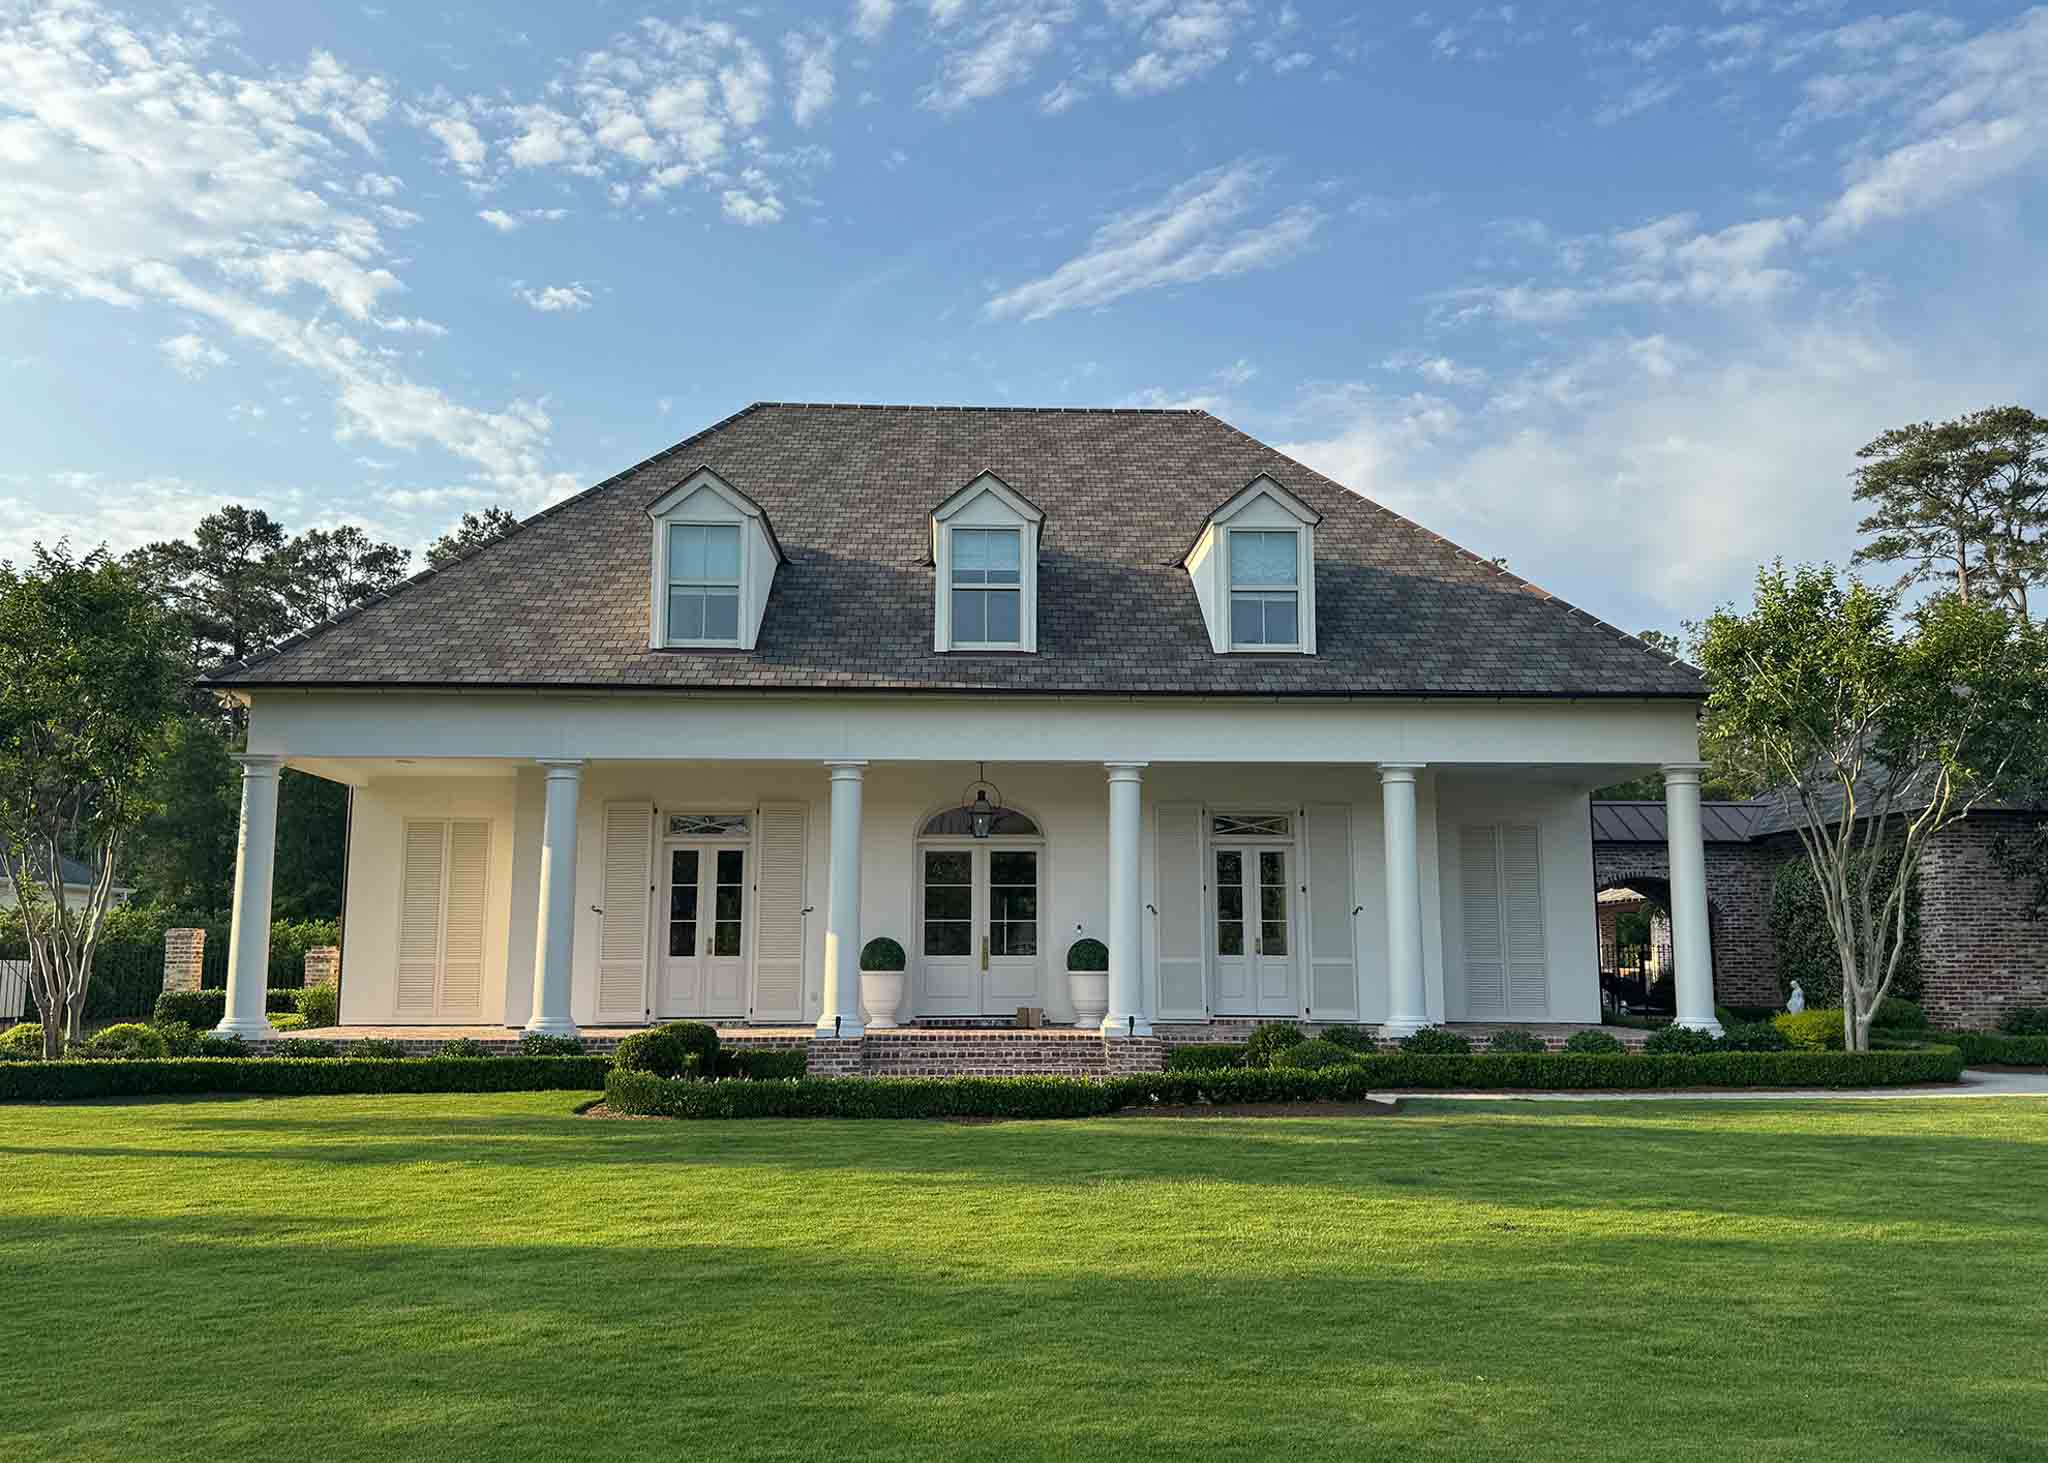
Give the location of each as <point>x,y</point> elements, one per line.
<point>295,1076</point>
<point>1983,1047</point>
<point>1069,1097</point>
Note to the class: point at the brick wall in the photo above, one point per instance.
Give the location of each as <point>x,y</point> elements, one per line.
<point>323,965</point>
<point>184,953</point>
<point>1739,906</point>
<point>1979,953</point>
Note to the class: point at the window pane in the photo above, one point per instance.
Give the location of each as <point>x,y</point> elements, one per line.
<point>1273,938</point>
<point>1280,620</point>
<point>970,557</point>
<point>727,904</point>
<point>1003,607</point>
<point>1247,620</point>
<point>1272,867</point>
<point>722,552</point>
<point>685,614</point>
<point>946,937</point>
<point>1262,558</point>
<point>948,901</point>
<point>1230,901</point>
<point>732,866</point>
<point>1229,867</point>
<point>1013,938</point>
<point>1229,937</point>
<point>1013,868</point>
<point>682,937</point>
<point>949,868</point>
<point>685,551</point>
<point>970,616</point>
<point>725,937</point>
<point>721,617</point>
<point>1003,550</point>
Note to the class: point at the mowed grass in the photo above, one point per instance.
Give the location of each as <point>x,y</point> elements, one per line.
<point>448,1278</point>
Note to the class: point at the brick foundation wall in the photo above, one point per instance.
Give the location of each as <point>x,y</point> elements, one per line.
<point>184,953</point>
<point>1739,909</point>
<point>1979,953</point>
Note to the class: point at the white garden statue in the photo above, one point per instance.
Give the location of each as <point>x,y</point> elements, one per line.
<point>1796,1002</point>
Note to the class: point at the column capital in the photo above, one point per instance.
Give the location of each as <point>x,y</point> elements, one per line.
<point>259,764</point>
<point>1125,771</point>
<point>1682,773</point>
<point>1400,771</point>
<point>847,769</point>
<point>568,769</point>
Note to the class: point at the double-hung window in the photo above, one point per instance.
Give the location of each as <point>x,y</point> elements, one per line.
<point>1265,589</point>
<point>988,588</point>
<point>703,584</point>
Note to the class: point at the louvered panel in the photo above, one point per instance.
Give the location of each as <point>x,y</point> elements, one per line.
<point>419,916</point>
<point>778,912</point>
<point>1522,916</point>
<point>1183,917</point>
<point>628,910</point>
<point>462,945</point>
<point>1332,938</point>
<point>1479,902</point>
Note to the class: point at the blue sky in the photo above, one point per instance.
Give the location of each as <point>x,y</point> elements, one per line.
<point>1613,292</point>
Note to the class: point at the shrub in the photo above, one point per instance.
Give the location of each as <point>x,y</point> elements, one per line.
<point>1754,1036</point>
<point>180,1040</point>
<point>1271,1039</point>
<point>1512,1039</point>
<point>287,1021</point>
<point>320,1005</point>
<point>309,1048</point>
<point>126,1041</point>
<point>1593,1044</point>
<point>376,1049</point>
<point>1353,1038</point>
<point>1435,1041</point>
<point>286,1076</point>
<point>462,1049</point>
<point>210,1045</point>
<point>200,1010</point>
<point>670,1051</point>
<point>1981,1048</point>
<point>763,1064</point>
<point>21,1043</point>
<point>2024,1021</point>
<point>542,1044</point>
<point>1205,1056</point>
<point>1088,955</point>
<point>883,954</point>
<point>1676,1040</point>
<point>1313,1054</point>
<point>1813,1031</point>
<point>1894,1014</point>
<point>1806,944</point>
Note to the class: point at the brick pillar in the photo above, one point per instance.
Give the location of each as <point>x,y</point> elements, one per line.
<point>1134,1056</point>
<point>323,965</point>
<point>184,952</point>
<point>835,1057</point>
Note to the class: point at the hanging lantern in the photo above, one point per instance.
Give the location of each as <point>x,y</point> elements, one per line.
<point>981,810</point>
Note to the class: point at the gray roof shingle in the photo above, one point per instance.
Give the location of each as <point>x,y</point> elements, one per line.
<point>563,600</point>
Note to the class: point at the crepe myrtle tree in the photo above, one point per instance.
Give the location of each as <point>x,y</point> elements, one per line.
<point>90,681</point>
<point>1877,729</point>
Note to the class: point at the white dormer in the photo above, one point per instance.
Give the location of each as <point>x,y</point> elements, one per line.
<point>714,558</point>
<point>985,557</point>
<point>1254,572</point>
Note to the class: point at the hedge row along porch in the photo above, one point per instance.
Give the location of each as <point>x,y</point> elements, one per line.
<point>680,745</point>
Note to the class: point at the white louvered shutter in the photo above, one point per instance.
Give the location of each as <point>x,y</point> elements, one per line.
<point>462,940</point>
<point>1522,918</point>
<point>1183,918</point>
<point>779,913</point>
<point>1479,899</point>
<point>419,916</point>
<point>1332,939</point>
<point>628,911</point>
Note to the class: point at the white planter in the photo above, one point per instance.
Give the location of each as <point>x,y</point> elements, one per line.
<point>1089,992</point>
<point>881,992</point>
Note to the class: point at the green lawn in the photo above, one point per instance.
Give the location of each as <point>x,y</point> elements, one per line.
<point>444,1278</point>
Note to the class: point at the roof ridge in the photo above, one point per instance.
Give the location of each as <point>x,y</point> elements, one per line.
<point>1133,411</point>
<point>463,556</point>
<point>1537,591</point>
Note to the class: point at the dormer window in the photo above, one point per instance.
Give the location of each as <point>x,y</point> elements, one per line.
<point>1253,569</point>
<point>985,562</point>
<point>715,558</point>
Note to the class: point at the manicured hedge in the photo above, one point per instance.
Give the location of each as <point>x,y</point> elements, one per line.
<point>1982,1048</point>
<point>205,1008</point>
<point>1205,1056</point>
<point>295,1076</point>
<point>1069,1097</point>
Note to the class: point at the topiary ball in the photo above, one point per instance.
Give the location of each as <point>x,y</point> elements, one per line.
<point>462,1049</point>
<point>126,1041</point>
<point>1513,1041</point>
<point>1088,955</point>
<point>1314,1054</point>
<point>1352,1038</point>
<point>1434,1041</point>
<point>1675,1040</point>
<point>882,955</point>
<point>1269,1040</point>
<point>1593,1044</point>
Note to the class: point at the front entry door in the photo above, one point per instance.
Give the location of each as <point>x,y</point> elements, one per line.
<point>1253,938</point>
<point>704,972</point>
<point>979,918</point>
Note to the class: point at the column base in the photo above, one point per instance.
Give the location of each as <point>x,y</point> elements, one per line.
<point>1399,1029</point>
<point>552,1026</point>
<point>259,1029</point>
<point>1116,1028</point>
<point>1700,1023</point>
<point>846,1030</point>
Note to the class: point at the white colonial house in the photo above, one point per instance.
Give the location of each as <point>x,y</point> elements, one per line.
<point>983,682</point>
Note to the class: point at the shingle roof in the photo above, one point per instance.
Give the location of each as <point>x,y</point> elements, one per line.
<point>563,600</point>
<point>1641,822</point>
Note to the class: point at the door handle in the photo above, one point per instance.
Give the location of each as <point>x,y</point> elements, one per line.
<point>984,952</point>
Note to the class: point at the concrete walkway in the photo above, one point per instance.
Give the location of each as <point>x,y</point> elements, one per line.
<point>1974,1084</point>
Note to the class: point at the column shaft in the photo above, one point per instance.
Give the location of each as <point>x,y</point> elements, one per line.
<point>1407,999</point>
<point>1692,948</point>
<point>249,936</point>
<point>840,1013</point>
<point>555,962</point>
<point>1126,1015</point>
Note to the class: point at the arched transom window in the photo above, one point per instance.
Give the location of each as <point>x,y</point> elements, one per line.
<point>959,823</point>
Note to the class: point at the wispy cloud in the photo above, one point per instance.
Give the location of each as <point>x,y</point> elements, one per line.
<point>871,18</point>
<point>995,53</point>
<point>556,299</point>
<point>506,223</point>
<point>809,54</point>
<point>191,355</point>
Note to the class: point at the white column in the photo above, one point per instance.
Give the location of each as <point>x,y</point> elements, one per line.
<point>1126,1015</point>
<point>1407,1000</point>
<point>1692,948</point>
<point>840,1014</point>
<point>249,937</point>
<point>554,958</point>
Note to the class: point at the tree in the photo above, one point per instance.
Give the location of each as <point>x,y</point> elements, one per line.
<point>1962,503</point>
<point>1877,733</point>
<point>230,584</point>
<point>327,570</point>
<point>90,676</point>
<point>475,530</point>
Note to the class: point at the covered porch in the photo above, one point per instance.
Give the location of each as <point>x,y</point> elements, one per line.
<point>1386,866</point>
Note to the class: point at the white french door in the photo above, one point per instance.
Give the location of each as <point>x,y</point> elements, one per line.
<point>978,943</point>
<point>1252,937</point>
<point>704,963</point>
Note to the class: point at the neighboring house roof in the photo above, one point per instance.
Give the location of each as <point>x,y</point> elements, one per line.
<point>74,872</point>
<point>563,600</point>
<point>1643,822</point>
